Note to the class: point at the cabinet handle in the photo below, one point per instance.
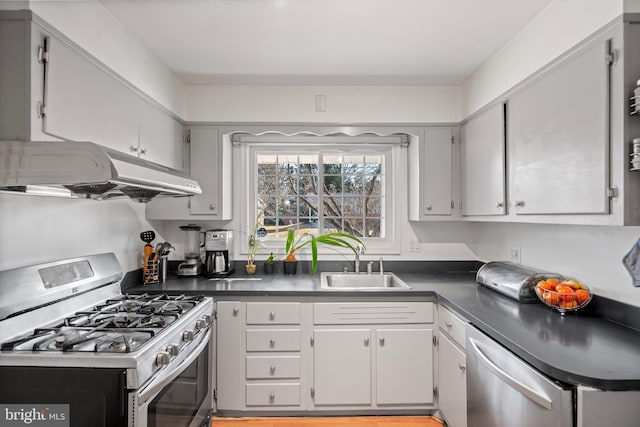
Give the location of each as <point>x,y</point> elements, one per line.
<point>272,369</point>
<point>272,315</point>
<point>462,366</point>
<point>448,324</point>
<point>366,342</point>
<point>382,341</point>
<point>134,149</point>
<point>272,397</point>
<point>519,203</point>
<point>143,151</point>
<point>272,342</point>
<point>236,311</point>
<point>212,207</point>
<point>429,207</point>
<point>499,205</point>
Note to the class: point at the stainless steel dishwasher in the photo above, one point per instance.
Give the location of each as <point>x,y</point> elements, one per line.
<point>503,391</point>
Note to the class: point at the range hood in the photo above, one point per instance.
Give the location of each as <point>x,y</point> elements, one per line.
<point>87,170</point>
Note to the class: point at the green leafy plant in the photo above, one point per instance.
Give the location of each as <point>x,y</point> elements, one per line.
<point>270,259</point>
<point>337,239</point>
<point>253,243</point>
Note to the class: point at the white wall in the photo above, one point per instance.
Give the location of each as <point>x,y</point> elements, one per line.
<point>97,31</point>
<point>345,104</point>
<point>560,26</point>
<point>37,229</point>
<point>591,254</point>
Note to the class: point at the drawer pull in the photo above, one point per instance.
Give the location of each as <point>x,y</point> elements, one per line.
<point>366,342</point>
<point>236,311</point>
<point>382,341</point>
<point>272,397</point>
<point>272,369</point>
<point>272,342</point>
<point>448,324</point>
<point>272,315</point>
<point>462,366</point>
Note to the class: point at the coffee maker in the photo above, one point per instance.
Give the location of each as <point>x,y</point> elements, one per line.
<point>218,246</point>
<point>192,265</point>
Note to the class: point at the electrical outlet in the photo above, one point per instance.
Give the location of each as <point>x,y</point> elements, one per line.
<point>515,255</point>
<point>414,246</point>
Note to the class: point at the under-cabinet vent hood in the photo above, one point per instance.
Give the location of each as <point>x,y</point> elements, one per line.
<point>87,170</point>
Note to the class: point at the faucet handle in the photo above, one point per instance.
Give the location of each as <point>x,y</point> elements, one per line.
<point>369,267</point>
<point>360,249</point>
<point>381,267</point>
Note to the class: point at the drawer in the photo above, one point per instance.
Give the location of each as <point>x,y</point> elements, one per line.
<point>273,313</point>
<point>281,394</point>
<point>452,325</point>
<point>374,312</point>
<point>267,367</point>
<point>273,339</point>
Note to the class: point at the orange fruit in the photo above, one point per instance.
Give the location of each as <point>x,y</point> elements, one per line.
<point>565,293</point>
<point>547,285</point>
<point>550,297</point>
<point>573,284</point>
<point>582,295</point>
<point>553,281</point>
<point>570,304</point>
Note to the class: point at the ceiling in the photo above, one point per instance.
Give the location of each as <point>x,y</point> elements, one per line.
<point>324,42</point>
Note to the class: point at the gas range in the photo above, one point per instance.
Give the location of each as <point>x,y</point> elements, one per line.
<point>70,316</point>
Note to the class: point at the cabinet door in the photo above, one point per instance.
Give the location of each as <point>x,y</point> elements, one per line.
<point>438,171</point>
<point>229,358</point>
<point>559,134</point>
<point>342,367</point>
<point>482,163</point>
<point>205,161</point>
<point>452,382</point>
<point>404,366</point>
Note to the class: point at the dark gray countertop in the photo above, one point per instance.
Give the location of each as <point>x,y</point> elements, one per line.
<point>574,349</point>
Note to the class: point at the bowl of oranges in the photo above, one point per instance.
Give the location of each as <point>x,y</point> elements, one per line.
<point>563,295</point>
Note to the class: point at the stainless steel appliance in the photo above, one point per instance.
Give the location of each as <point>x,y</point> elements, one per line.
<point>218,246</point>
<point>503,391</point>
<point>513,280</point>
<point>87,170</point>
<point>69,337</point>
<point>192,265</point>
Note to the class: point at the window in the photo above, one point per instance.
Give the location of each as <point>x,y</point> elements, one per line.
<point>321,184</point>
<point>320,191</point>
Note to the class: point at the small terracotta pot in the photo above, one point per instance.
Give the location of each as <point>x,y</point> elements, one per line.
<point>251,269</point>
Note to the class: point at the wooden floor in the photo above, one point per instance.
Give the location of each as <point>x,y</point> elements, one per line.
<point>329,422</point>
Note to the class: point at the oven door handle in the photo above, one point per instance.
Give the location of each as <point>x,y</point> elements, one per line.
<point>153,388</point>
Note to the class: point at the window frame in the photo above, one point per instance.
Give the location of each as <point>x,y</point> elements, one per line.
<point>391,152</point>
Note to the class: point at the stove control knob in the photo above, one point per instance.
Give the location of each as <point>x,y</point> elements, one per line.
<point>187,336</point>
<point>200,324</point>
<point>207,319</point>
<point>173,350</point>
<point>163,358</point>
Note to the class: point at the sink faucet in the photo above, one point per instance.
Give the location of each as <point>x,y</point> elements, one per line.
<point>359,251</point>
<point>381,267</point>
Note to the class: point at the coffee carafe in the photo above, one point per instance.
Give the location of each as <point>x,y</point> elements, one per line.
<point>218,246</point>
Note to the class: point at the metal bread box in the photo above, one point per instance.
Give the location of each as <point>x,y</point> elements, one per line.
<point>513,280</point>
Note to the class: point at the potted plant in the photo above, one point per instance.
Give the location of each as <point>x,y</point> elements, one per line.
<point>337,239</point>
<point>252,246</point>
<point>269,263</point>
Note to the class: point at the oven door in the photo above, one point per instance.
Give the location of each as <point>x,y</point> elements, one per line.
<point>180,396</point>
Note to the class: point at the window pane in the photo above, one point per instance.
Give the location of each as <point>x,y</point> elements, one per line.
<point>373,185</point>
<point>267,205</point>
<point>373,207</point>
<point>333,184</point>
<point>353,165</point>
<point>308,184</point>
<point>308,206</point>
<point>373,227</point>
<point>332,206</point>
<point>287,206</point>
<point>308,164</point>
<point>353,184</point>
<point>266,164</point>
<point>287,185</point>
<point>373,165</point>
<point>332,225</point>
<point>354,226</point>
<point>353,207</point>
<point>287,164</point>
<point>267,184</point>
<point>332,164</point>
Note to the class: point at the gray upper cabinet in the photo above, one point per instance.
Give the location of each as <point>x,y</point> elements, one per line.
<point>86,102</point>
<point>210,164</point>
<point>559,136</point>
<point>482,163</point>
<point>431,171</point>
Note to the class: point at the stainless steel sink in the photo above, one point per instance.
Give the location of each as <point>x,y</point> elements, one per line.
<point>362,281</point>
